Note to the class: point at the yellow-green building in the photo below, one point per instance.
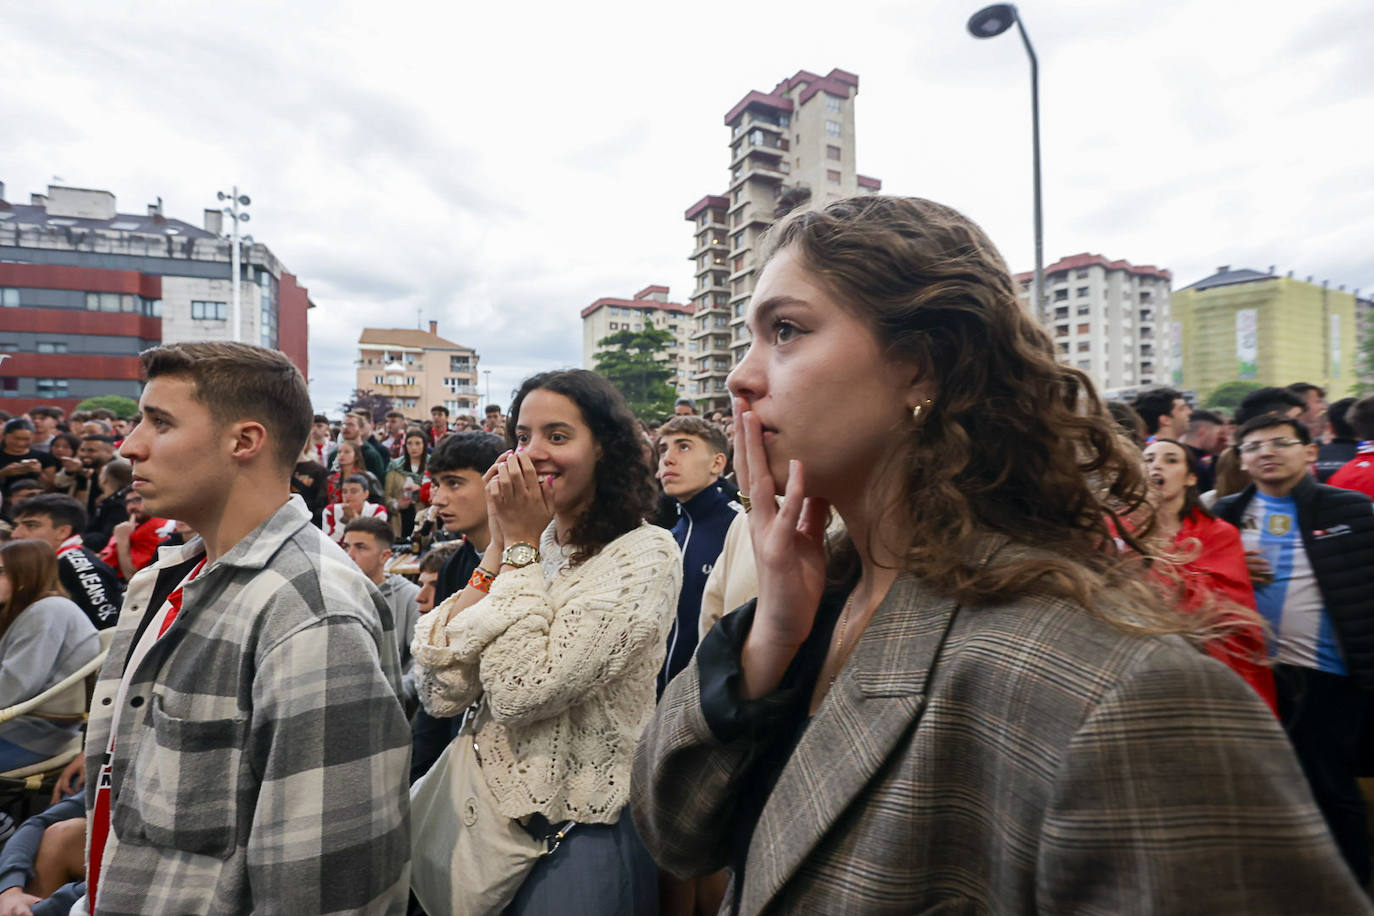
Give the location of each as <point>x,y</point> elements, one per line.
<point>1243,324</point>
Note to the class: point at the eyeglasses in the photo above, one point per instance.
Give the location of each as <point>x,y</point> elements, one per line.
<point>1249,448</point>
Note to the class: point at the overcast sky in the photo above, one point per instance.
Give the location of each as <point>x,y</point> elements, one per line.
<point>497,167</point>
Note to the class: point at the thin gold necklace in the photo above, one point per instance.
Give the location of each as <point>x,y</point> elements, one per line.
<point>839,644</point>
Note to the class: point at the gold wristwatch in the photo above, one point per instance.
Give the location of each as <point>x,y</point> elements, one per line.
<point>521,553</point>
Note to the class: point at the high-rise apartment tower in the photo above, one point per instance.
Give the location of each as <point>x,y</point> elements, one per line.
<point>790,147</point>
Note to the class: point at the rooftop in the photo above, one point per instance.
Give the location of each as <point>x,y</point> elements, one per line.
<point>837,82</point>
<point>1225,276</point>
<point>407,337</point>
<point>85,208</point>
<point>642,300</point>
<point>1076,261</point>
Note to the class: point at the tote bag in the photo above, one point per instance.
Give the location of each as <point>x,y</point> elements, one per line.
<point>467,858</point>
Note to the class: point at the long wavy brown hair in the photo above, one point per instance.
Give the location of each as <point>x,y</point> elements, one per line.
<point>1015,444</point>
<point>31,567</point>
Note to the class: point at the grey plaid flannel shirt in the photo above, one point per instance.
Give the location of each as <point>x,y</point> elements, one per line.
<point>262,756</point>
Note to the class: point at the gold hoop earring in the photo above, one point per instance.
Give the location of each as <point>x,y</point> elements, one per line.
<point>916,411</point>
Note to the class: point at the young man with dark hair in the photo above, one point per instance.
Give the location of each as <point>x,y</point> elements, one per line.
<point>495,421</point>
<point>368,542</point>
<point>691,458</point>
<point>438,416</point>
<point>353,504</point>
<point>19,459</point>
<point>1203,439</point>
<point>427,573</point>
<point>1313,414</point>
<point>1165,412</point>
<point>18,492</point>
<point>1358,473</point>
<point>459,501</point>
<point>46,421</point>
<point>247,746</point>
<point>395,438</point>
<point>319,445</point>
<point>1311,554</point>
<point>685,407</point>
<point>92,584</point>
<point>1342,445</point>
<point>1268,400</point>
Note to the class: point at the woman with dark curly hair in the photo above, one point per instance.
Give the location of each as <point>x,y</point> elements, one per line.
<point>560,633</point>
<point>977,700</point>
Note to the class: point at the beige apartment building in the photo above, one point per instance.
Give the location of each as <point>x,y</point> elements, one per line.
<point>648,308</point>
<point>418,369</point>
<point>790,147</point>
<point>1111,319</point>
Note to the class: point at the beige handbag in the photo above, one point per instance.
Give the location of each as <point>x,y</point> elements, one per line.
<point>467,858</point>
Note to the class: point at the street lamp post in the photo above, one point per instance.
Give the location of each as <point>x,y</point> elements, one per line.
<point>988,22</point>
<point>236,216</point>
<point>487,373</point>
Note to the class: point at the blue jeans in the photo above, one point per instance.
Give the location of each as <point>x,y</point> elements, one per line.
<point>13,757</point>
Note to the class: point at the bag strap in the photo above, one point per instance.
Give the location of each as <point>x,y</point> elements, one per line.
<point>468,726</point>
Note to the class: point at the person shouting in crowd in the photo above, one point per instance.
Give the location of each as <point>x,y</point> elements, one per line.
<point>247,747</point>
<point>966,704</point>
<point>1358,472</point>
<point>561,632</point>
<point>44,638</point>
<point>18,458</point>
<point>405,477</point>
<point>367,541</point>
<point>1212,566</point>
<point>352,504</point>
<point>135,541</point>
<point>92,584</point>
<point>1312,566</point>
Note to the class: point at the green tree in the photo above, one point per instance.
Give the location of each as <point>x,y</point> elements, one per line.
<point>633,361</point>
<point>123,407</point>
<point>365,399</point>
<point>1230,394</point>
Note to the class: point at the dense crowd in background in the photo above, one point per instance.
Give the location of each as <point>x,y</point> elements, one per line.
<point>547,579</point>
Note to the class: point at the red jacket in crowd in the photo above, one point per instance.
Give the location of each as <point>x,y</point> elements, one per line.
<point>1358,472</point>
<point>1219,570</point>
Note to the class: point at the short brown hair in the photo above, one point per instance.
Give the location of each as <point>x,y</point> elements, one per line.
<point>688,425</point>
<point>238,381</point>
<point>380,530</point>
<point>1360,416</point>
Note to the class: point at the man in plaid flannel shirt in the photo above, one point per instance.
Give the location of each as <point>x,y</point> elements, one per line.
<point>247,750</point>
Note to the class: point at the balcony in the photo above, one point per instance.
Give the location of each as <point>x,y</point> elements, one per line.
<point>461,389</point>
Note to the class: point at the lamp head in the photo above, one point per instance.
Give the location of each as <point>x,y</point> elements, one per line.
<point>992,20</point>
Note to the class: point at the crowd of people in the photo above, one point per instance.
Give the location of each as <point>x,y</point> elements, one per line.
<point>974,640</point>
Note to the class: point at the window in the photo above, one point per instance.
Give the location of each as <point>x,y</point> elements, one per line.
<point>9,298</point>
<point>7,347</point>
<point>832,103</point>
<point>1061,295</point>
<point>832,128</point>
<point>9,384</point>
<point>1081,275</point>
<point>1084,310</point>
<point>1084,346</point>
<point>615,326</point>
<point>832,176</point>
<point>210,311</point>
<point>459,364</point>
<point>832,152</point>
<point>1085,364</point>
<point>1081,292</point>
<point>52,387</point>
<point>1063,346</point>
<point>1084,328</point>
<point>52,346</point>
<point>1061,330</point>
<point>102,302</point>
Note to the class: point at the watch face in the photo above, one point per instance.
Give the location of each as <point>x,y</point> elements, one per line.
<point>520,555</point>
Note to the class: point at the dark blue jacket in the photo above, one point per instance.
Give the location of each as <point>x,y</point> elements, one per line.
<point>700,532</point>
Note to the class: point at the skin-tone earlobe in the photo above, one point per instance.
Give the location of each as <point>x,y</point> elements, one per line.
<point>249,438</point>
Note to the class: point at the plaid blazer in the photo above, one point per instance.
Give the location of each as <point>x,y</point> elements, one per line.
<point>1051,764</point>
<point>261,759</point>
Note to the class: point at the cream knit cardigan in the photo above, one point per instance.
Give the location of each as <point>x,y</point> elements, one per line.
<point>567,658</point>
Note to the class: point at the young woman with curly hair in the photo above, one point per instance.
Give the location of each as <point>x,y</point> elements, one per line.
<point>564,643</point>
<point>978,701</point>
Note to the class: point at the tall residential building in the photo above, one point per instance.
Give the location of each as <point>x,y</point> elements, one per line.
<point>1253,326</point>
<point>84,288</point>
<point>1110,319</point>
<point>418,370</point>
<point>649,308</point>
<point>790,147</point>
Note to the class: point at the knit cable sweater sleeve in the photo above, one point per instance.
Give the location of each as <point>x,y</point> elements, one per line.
<point>445,685</point>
